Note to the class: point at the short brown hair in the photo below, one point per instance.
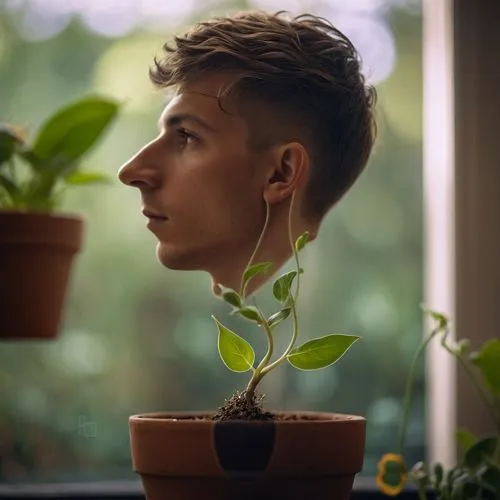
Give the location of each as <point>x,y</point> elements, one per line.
<point>304,74</point>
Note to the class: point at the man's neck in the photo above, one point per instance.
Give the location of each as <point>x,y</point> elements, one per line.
<point>275,248</point>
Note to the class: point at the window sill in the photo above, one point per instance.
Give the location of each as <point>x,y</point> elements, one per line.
<point>364,489</point>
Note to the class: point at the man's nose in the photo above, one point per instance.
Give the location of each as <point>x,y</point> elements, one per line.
<point>139,170</point>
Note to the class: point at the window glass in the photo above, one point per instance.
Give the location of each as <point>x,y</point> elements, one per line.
<point>137,337</point>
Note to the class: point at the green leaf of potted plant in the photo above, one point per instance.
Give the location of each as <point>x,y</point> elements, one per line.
<point>37,243</point>
<point>243,451</point>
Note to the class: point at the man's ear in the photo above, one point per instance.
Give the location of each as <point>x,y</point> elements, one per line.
<point>290,168</point>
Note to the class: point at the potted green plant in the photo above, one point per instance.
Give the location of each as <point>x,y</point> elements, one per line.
<point>37,243</point>
<point>243,451</point>
<point>476,476</point>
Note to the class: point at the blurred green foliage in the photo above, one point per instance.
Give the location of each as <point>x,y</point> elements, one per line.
<point>140,338</point>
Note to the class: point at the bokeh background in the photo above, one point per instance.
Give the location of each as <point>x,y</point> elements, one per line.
<point>137,337</point>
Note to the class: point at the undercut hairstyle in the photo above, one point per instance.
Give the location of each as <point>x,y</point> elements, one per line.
<point>297,78</point>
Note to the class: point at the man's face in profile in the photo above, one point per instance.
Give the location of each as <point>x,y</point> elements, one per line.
<point>199,182</point>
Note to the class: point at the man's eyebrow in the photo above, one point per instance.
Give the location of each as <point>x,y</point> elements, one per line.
<point>177,119</point>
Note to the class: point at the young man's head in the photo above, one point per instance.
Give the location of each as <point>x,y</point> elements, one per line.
<point>265,106</point>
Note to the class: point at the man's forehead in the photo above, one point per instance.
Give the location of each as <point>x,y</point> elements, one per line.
<point>209,84</point>
<point>203,101</point>
<point>185,101</point>
<point>207,89</point>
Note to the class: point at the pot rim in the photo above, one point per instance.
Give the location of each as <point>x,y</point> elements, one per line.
<point>49,214</point>
<point>179,417</point>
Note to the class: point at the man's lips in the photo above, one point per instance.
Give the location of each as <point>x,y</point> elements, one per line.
<point>150,214</point>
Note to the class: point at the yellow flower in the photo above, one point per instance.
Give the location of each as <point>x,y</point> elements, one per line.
<point>392,475</point>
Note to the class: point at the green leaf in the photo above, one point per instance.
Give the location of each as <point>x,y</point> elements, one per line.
<point>440,318</point>
<point>85,178</point>
<point>8,185</point>
<point>236,353</point>
<point>250,312</point>
<point>438,476</point>
<point>478,453</point>
<point>278,317</point>
<point>8,143</point>
<point>463,346</point>
<point>281,287</point>
<point>419,474</point>
<point>230,296</point>
<point>488,361</point>
<point>451,476</point>
<point>491,476</point>
<point>253,270</point>
<point>289,302</point>
<point>302,241</point>
<point>321,352</point>
<point>74,129</point>
<point>465,439</point>
<point>460,480</point>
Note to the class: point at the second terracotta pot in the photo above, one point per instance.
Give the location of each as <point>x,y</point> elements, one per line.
<point>36,255</point>
<point>306,455</point>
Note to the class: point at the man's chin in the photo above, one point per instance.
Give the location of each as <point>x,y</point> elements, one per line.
<point>174,260</point>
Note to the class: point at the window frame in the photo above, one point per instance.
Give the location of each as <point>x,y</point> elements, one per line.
<point>462,179</point>
<point>439,221</point>
<point>364,489</point>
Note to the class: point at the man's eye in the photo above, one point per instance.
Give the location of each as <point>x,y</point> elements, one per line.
<point>186,136</point>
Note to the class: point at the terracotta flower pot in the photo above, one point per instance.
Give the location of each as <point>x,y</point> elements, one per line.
<point>36,254</point>
<point>185,456</point>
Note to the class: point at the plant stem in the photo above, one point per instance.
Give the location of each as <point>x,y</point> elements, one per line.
<point>465,366</point>
<point>294,250</point>
<point>243,286</point>
<point>408,389</point>
<point>475,383</point>
<point>263,366</point>
<point>270,346</point>
<point>250,390</point>
<point>295,331</point>
<point>258,372</point>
